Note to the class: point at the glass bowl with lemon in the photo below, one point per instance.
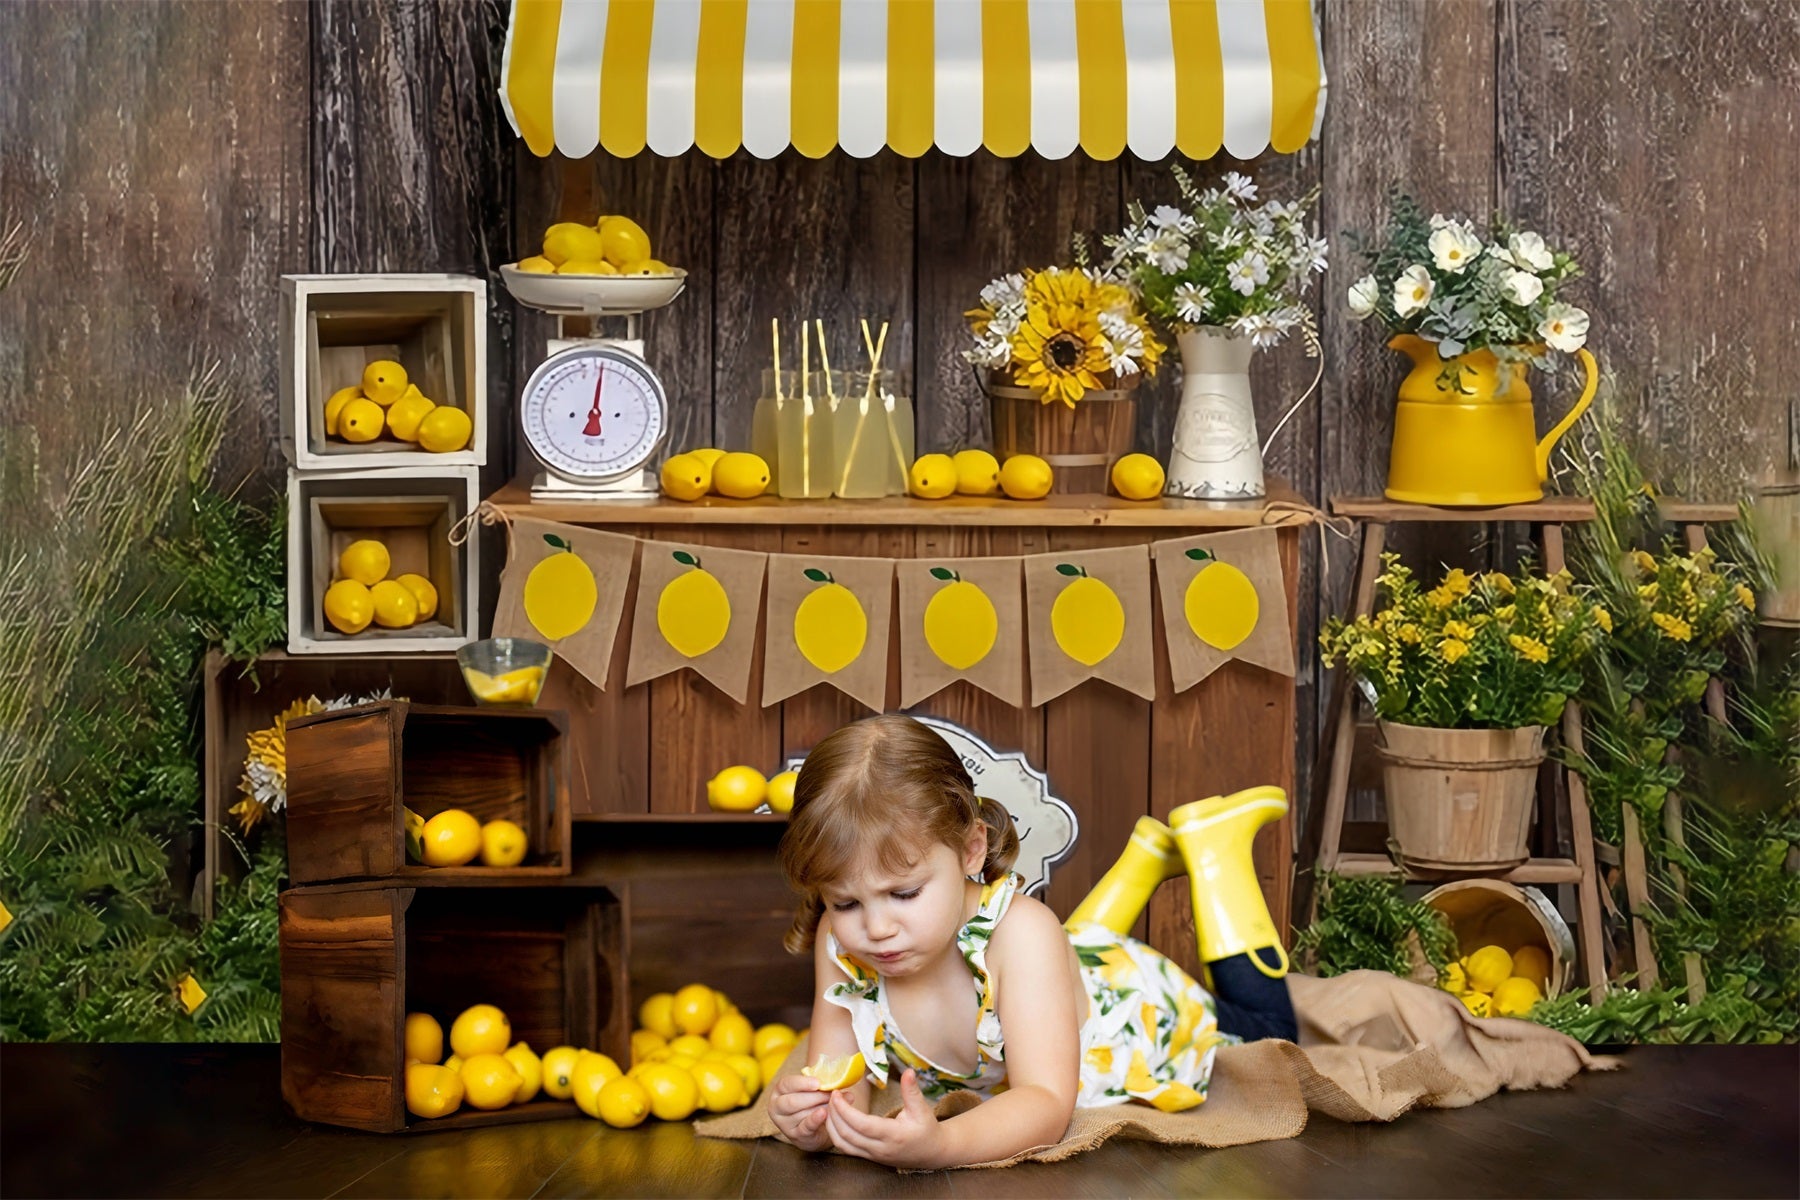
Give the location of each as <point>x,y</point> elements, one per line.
<point>504,671</point>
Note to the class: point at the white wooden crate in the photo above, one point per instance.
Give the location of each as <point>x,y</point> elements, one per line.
<point>332,326</point>
<point>411,510</point>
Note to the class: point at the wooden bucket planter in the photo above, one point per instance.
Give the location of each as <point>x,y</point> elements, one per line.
<point>1460,799</point>
<point>1080,444</point>
<point>1492,912</point>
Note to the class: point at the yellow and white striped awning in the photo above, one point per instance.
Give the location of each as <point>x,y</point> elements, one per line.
<point>1152,75</point>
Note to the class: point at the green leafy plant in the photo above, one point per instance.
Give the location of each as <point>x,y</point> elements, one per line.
<point>1367,923</point>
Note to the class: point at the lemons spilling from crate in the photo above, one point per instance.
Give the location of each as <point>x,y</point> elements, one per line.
<point>362,592</point>
<point>612,245</point>
<point>1495,982</point>
<point>694,1050</point>
<point>386,401</point>
<point>454,838</point>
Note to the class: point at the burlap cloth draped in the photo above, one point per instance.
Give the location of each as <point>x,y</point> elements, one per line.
<point>1372,1046</point>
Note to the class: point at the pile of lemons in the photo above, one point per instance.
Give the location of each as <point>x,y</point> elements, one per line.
<point>693,1050</point>
<point>1021,477</point>
<point>486,1069</point>
<point>1495,982</point>
<point>743,789</point>
<point>361,591</point>
<point>612,245</point>
<point>386,401</point>
<point>694,473</point>
<point>454,838</point>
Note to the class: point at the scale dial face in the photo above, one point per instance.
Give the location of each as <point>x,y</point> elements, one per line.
<point>594,413</point>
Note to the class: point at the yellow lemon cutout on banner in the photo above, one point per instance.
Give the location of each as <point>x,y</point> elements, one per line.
<point>1220,603</point>
<point>1087,619</point>
<point>693,611</point>
<point>560,592</point>
<point>961,625</point>
<point>830,627</point>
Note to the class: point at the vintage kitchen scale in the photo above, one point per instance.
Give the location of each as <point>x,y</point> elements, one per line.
<point>594,413</point>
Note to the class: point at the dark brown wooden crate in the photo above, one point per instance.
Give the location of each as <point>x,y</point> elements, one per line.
<point>352,772</point>
<point>356,960</point>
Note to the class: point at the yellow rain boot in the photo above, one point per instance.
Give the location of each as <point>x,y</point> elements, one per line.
<point>1118,900</point>
<point>1230,917</point>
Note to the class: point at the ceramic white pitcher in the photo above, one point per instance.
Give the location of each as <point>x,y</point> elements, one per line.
<point>1216,455</point>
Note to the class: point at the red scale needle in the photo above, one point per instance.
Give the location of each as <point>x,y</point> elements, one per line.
<point>592,428</point>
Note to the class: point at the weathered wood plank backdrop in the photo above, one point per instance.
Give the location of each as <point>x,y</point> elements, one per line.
<point>173,159</point>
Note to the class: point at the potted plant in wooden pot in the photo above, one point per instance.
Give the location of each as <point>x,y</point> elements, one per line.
<point>1471,310</point>
<point>1465,678</point>
<point>1062,350</point>
<point>1226,276</point>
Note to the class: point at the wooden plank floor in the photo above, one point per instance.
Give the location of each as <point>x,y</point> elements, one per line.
<point>136,1120</point>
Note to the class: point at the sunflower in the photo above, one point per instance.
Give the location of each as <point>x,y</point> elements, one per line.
<point>1060,352</point>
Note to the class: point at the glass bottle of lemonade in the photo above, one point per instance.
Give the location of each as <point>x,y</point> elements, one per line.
<point>777,387</point>
<point>867,436</point>
<point>803,437</point>
<point>900,481</point>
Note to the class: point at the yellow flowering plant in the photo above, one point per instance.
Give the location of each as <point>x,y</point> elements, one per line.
<point>1484,651</point>
<point>1062,332</point>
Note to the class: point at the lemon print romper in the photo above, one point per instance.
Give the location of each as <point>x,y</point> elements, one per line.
<point>1150,1034</point>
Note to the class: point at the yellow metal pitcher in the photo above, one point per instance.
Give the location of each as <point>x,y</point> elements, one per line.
<point>1477,446</point>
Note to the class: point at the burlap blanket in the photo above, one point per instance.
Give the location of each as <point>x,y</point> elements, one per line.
<point>1371,1047</point>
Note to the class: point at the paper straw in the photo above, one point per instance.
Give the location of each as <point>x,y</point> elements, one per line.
<point>775,336</point>
<point>806,412</point>
<point>825,358</point>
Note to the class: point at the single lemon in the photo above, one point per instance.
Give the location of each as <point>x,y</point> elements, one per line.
<point>503,844</point>
<point>772,1037</point>
<point>771,1063</point>
<point>530,1068</point>
<point>622,1103</point>
<point>560,592</point>
<point>693,613</point>
<point>587,266</point>
<point>695,1009</point>
<point>432,1091</point>
<point>933,476</point>
<point>424,1038</point>
<point>445,430</point>
<point>408,412</point>
<point>348,606</point>
<point>1221,605</point>
<point>644,1042</point>
<point>1138,477</point>
<point>977,472</point>
<point>961,625</point>
<point>1479,1003</point>
<point>732,1033</point>
<point>1455,980</point>
<point>361,420</point>
<point>720,1087</point>
<point>622,241</point>
<point>569,242</point>
<point>561,225</point>
<point>834,1073</point>
<point>1488,968</point>
<point>480,1029</point>
<point>1087,620</point>
<point>1514,997</point>
<point>693,1045</point>
<point>537,264</point>
<point>1026,477</point>
<point>685,477</point>
<point>672,1091</point>
<point>395,606</point>
<point>748,1070</point>
<point>735,789</point>
<point>423,591</point>
<point>558,1065</point>
<point>450,839</point>
<point>592,1073</point>
<point>657,1014</point>
<point>781,791</point>
<point>489,1081</point>
<point>384,381</point>
<point>334,407</point>
<point>830,627</point>
<point>1530,962</point>
<point>740,475</point>
<point>365,560</point>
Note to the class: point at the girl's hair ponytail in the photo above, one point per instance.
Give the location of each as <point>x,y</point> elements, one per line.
<point>1002,840</point>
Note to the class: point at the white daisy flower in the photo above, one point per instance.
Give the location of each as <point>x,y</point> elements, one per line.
<point>1364,294</point>
<point>1564,328</point>
<point>1454,247</point>
<point>1004,291</point>
<point>1190,302</point>
<point>1521,287</point>
<point>1412,291</point>
<point>1168,253</point>
<point>1249,273</point>
<point>1528,252</point>
<point>1239,186</point>
<point>1169,218</point>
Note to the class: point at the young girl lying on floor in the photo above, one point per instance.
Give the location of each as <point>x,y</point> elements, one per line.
<point>930,962</point>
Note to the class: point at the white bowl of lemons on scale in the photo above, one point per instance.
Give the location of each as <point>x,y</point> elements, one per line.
<point>606,267</point>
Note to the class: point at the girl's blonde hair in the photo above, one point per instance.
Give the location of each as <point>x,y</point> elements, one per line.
<point>884,789</point>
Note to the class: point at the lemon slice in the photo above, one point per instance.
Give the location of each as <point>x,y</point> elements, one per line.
<point>836,1073</point>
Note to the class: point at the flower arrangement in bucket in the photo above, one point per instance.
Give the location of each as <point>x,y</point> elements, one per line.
<point>1464,678</point>
<point>1472,310</point>
<point>1063,349</point>
<point>1226,276</point>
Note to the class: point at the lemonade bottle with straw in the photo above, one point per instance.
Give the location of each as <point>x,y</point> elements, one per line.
<point>803,436</point>
<point>863,433</point>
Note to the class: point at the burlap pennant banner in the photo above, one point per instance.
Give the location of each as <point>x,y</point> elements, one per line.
<point>696,607</point>
<point>828,623</point>
<point>1089,617</point>
<point>566,586</point>
<point>961,618</point>
<point>1223,598</point>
